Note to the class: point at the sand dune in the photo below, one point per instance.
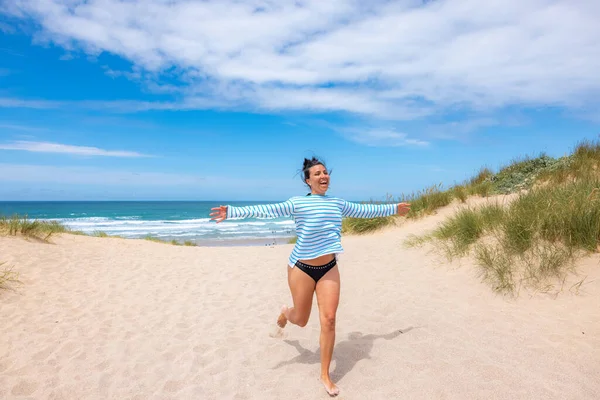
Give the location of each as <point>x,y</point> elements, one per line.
<point>103,318</point>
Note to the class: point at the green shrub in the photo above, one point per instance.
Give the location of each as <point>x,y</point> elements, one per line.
<point>521,174</point>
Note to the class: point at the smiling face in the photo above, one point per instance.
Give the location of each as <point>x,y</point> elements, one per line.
<point>318,179</point>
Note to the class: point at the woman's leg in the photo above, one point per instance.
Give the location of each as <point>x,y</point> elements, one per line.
<point>302,287</point>
<point>328,297</point>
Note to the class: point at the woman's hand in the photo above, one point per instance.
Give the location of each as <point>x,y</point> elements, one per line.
<point>403,209</point>
<point>219,214</point>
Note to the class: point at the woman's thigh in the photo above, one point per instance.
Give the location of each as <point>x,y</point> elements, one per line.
<point>302,287</point>
<point>328,294</point>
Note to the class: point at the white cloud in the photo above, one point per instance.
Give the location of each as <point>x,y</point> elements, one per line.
<point>22,128</point>
<point>402,59</point>
<point>9,102</point>
<point>47,147</point>
<point>382,137</point>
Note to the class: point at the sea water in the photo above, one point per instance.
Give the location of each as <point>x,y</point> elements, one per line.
<point>167,220</point>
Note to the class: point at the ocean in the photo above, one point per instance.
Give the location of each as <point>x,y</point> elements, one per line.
<point>167,220</point>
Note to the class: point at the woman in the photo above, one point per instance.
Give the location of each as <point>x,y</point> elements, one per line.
<point>313,261</point>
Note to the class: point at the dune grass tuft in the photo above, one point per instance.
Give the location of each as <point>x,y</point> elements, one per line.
<point>427,201</point>
<point>496,267</point>
<point>461,193</point>
<point>17,225</point>
<point>483,175</point>
<point>7,277</point>
<point>365,225</point>
<point>173,242</point>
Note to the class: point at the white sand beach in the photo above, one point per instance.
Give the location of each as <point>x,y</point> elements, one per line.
<point>106,318</point>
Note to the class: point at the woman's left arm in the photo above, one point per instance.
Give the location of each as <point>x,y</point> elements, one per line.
<point>355,210</point>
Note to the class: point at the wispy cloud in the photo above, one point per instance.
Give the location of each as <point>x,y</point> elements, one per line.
<point>9,51</point>
<point>4,27</point>
<point>400,59</point>
<point>8,102</point>
<point>22,128</point>
<point>47,147</point>
<point>384,138</point>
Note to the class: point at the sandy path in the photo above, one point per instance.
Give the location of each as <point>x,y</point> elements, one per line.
<point>102,318</point>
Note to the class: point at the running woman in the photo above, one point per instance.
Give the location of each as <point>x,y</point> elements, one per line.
<point>313,261</point>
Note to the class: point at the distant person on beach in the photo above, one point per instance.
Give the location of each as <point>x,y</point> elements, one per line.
<point>313,261</point>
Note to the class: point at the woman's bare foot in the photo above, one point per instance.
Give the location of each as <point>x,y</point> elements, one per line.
<point>330,387</point>
<point>282,320</point>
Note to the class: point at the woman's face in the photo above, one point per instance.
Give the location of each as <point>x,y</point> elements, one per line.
<point>318,179</point>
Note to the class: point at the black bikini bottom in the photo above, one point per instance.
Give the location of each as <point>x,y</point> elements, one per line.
<point>316,272</point>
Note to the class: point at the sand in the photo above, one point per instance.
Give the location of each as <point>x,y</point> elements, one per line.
<point>104,318</point>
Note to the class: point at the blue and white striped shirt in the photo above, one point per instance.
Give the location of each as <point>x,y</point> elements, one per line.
<point>318,221</point>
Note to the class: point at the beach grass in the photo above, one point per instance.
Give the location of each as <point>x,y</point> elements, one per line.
<point>460,193</point>
<point>365,225</point>
<point>7,276</point>
<point>17,225</point>
<point>23,226</point>
<point>539,235</point>
<point>173,242</point>
<point>427,201</point>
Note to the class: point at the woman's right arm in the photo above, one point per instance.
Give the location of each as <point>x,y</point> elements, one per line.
<point>277,210</point>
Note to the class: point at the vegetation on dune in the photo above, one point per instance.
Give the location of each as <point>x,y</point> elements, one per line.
<point>365,225</point>
<point>7,277</point>
<point>538,236</point>
<point>43,230</point>
<point>427,201</point>
<point>172,242</point>
<point>17,225</point>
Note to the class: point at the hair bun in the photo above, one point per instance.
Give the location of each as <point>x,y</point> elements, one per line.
<point>306,164</point>
<point>310,163</point>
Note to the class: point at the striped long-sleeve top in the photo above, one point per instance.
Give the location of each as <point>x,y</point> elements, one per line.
<point>318,221</point>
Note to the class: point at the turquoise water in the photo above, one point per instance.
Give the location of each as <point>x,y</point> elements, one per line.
<point>168,220</point>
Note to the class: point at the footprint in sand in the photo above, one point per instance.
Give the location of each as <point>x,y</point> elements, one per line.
<point>24,388</point>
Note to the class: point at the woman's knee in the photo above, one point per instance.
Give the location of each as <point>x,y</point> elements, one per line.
<point>302,322</point>
<point>328,321</point>
<point>301,319</point>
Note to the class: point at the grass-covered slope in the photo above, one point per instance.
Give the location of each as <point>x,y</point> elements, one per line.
<point>538,236</point>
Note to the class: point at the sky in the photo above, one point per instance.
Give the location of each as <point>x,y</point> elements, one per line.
<point>222,100</point>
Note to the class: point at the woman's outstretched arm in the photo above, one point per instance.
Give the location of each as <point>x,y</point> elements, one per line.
<point>355,210</point>
<point>277,210</point>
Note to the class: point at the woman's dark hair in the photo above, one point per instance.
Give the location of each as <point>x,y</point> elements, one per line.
<point>308,163</point>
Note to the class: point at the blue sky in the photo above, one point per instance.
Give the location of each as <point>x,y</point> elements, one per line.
<point>221,100</point>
